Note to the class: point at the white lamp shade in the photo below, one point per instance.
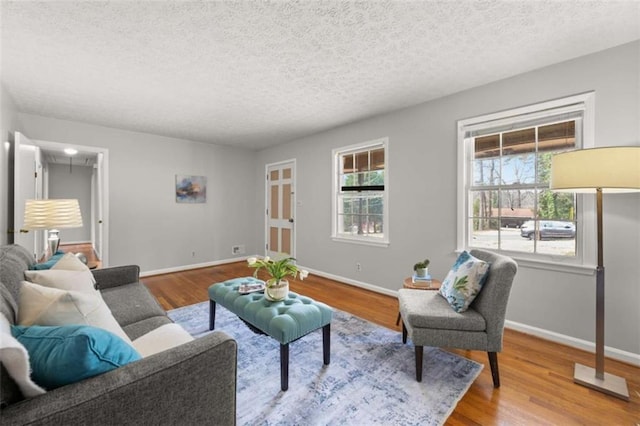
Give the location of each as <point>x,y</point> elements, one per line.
<point>55,213</point>
<point>612,169</point>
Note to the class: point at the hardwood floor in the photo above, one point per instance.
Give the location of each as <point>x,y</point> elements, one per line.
<point>536,375</point>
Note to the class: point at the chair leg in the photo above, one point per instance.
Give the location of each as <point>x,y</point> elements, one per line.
<point>404,333</point>
<point>493,362</point>
<point>419,352</point>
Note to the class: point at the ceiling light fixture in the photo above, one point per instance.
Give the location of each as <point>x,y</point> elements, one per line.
<point>70,151</point>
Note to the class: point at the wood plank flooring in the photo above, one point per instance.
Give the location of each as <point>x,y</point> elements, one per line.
<point>536,375</point>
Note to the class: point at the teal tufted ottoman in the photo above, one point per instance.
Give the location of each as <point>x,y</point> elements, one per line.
<point>285,321</point>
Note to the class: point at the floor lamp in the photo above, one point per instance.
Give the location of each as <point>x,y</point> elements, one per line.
<point>52,214</point>
<point>598,170</point>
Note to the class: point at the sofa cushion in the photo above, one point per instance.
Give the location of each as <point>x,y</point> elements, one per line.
<point>82,281</point>
<point>41,305</point>
<point>49,263</point>
<point>131,303</point>
<point>68,354</point>
<point>160,339</point>
<point>70,262</point>
<point>14,260</point>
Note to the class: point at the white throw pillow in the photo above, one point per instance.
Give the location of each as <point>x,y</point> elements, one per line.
<point>64,280</point>
<point>15,359</point>
<point>69,262</point>
<point>162,338</point>
<point>41,305</point>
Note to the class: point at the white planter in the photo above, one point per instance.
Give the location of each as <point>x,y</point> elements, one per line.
<point>422,272</point>
<point>276,292</point>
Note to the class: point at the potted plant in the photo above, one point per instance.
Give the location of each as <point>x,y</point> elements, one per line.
<point>277,287</point>
<point>421,268</point>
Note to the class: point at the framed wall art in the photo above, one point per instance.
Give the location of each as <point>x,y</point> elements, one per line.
<point>191,189</point>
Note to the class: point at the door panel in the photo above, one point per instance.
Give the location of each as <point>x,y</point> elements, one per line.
<point>24,189</point>
<point>281,210</point>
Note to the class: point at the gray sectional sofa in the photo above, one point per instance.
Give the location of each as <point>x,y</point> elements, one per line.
<point>194,383</point>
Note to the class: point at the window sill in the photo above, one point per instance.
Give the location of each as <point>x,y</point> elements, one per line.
<point>544,264</point>
<point>555,266</point>
<point>361,242</point>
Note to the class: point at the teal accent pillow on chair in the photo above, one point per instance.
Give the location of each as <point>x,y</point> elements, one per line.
<point>464,281</point>
<point>66,354</point>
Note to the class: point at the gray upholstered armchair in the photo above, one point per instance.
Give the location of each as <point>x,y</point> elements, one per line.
<point>428,319</point>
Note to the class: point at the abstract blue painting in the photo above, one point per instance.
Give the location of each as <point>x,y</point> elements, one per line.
<point>191,189</point>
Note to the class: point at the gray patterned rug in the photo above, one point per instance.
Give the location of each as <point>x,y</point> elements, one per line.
<point>371,378</point>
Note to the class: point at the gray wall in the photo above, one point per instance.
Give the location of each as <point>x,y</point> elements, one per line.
<point>147,226</point>
<point>74,182</point>
<point>422,169</point>
<point>8,123</point>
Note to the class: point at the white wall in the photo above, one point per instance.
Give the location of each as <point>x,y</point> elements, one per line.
<point>74,182</point>
<point>422,196</point>
<point>8,122</point>
<point>147,226</point>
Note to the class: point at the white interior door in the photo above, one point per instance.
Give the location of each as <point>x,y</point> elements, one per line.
<point>26,166</point>
<point>280,232</point>
<point>98,208</point>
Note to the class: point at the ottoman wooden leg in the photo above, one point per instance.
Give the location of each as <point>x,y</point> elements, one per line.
<point>326,344</point>
<point>284,367</point>
<point>212,314</point>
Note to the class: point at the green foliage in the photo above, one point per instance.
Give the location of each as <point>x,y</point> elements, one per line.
<point>461,283</point>
<point>278,269</point>
<point>421,265</point>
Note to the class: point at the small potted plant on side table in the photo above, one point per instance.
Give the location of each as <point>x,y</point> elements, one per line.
<point>421,268</point>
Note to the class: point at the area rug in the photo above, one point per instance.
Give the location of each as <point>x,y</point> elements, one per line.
<point>371,378</point>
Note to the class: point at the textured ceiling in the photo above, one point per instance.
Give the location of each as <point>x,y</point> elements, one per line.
<point>255,74</point>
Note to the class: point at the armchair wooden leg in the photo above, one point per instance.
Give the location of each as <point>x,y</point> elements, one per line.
<point>404,333</point>
<point>419,352</point>
<point>493,362</point>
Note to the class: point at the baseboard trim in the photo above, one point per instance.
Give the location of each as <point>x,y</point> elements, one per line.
<point>355,283</point>
<point>189,267</point>
<point>613,353</point>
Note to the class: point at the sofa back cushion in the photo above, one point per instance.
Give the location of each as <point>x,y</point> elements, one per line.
<point>14,260</point>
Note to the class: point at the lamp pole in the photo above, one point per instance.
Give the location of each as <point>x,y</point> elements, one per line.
<point>596,378</point>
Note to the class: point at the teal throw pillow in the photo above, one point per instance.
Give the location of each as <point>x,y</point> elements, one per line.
<point>67,354</point>
<point>49,263</point>
<point>464,281</point>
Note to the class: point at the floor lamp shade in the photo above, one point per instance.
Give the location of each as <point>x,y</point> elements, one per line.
<point>52,214</point>
<point>615,169</point>
<point>598,170</point>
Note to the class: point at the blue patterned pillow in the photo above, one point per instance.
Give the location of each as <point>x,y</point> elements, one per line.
<point>464,281</point>
<point>67,354</point>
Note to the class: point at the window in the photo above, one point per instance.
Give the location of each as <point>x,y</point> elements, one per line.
<point>504,199</point>
<point>360,208</point>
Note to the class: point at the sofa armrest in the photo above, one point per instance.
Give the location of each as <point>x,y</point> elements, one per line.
<point>194,383</point>
<point>115,276</point>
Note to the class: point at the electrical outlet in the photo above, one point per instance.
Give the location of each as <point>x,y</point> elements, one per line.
<point>239,249</point>
<point>193,254</point>
<point>358,267</point>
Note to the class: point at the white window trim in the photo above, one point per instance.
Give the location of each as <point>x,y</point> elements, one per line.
<point>335,187</point>
<point>585,260</point>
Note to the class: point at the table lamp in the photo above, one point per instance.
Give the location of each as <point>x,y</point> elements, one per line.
<point>598,170</point>
<point>52,214</point>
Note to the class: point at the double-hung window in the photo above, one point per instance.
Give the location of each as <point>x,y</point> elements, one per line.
<point>504,199</point>
<point>360,205</point>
